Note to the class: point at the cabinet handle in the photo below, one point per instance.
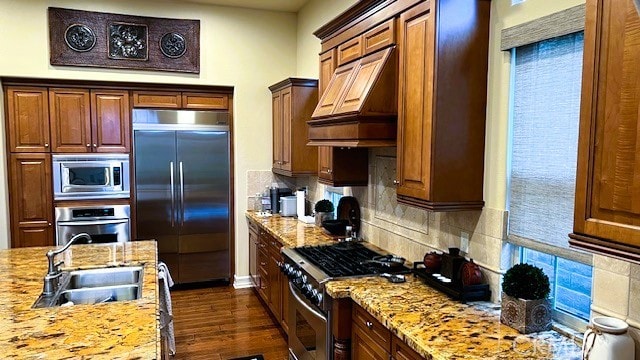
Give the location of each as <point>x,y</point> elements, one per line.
<point>396,182</point>
<point>262,263</point>
<point>273,243</point>
<point>369,324</point>
<point>329,171</point>
<point>262,245</point>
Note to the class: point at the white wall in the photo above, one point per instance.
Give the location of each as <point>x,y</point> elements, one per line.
<point>247,49</point>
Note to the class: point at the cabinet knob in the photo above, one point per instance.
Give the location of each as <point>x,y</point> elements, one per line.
<point>329,171</point>
<point>46,144</point>
<point>49,224</point>
<point>396,182</point>
<point>262,263</point>
<point>369,325</point>
<point>95,145</point>
<point>88,145</point>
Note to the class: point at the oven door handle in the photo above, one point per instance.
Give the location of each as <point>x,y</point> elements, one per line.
<point>303,303</point>
<point>90,223</point>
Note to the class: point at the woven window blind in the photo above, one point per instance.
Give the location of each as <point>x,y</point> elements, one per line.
<point>545,117</point>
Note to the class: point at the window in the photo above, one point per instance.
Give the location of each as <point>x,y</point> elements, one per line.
<point>334,195</point>
<point>545,106</point>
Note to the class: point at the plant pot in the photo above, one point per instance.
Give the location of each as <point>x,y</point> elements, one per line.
<point>526,316</point>
<point>322,216</point>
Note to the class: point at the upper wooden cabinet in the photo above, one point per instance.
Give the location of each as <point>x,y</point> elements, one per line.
<point>338,166</point>
<point>84,120</point>
<point>293,101</point>
<point>442,104</point>
<point>31,200</point>
<point>607,206</point>
<point>180,100</point>
<point>27,110</point>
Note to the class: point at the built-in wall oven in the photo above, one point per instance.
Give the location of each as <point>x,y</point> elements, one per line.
<point>90,176</point>
<point>104,223</point>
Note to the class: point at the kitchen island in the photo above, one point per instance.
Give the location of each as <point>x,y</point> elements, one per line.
<point>428,321</point>
<point>115,330</point>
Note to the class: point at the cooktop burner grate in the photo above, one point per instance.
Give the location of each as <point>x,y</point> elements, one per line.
<point>345,259</point>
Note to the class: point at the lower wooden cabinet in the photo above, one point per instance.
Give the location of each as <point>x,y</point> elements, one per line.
<point>31,200</point>
<point>264,269</point>
<point>371,340</point>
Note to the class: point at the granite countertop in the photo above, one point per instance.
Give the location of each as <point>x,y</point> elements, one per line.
<point>117,330</point>
<point>424,318</point>
<point>291,232</point>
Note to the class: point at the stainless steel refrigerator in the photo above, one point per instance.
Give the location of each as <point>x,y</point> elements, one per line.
<point>182,190</point>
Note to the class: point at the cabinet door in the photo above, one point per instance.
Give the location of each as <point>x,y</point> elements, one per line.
<point>110,121</point>
<point>253,254</point>
<point>327,66</point>
<point>275,291</point>
<point>415,102</point>
<point>157,99</point>
<point>286,123</point>
<point>31,200</point>
<point>28,119</point>
<point>608,177</point>
<point>335,89</point>
<point>205,101</point>
<point>325,162</point>
<point>364,347</point>
<point>70,115</point>
<point>276,115</point>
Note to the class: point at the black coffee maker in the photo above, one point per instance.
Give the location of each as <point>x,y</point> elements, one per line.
<point>276,194</point>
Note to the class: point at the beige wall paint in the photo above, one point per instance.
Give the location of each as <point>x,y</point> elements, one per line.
<point>247,49</point>
<point>311,17</point>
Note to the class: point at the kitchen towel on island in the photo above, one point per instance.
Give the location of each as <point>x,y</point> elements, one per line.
<point>166,313</point>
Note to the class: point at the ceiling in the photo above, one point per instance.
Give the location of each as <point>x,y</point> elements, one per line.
<point>275,5</point>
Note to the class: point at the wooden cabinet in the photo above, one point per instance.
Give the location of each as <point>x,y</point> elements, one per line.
<point>253,252</point>
<point>402,351</point>
<point>264,268</point>
<point>180,100</point>
<point>84,120</point>
<point>607,203</point>
<point>441,109</point>
<point>369,338</point>
<point>293,101</point>
<point>339,166</point>
<point>31,200</point>
<point>27,110</point>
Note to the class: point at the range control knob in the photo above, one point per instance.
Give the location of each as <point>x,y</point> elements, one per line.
<point>304,279</point>
<point>306,289</point>
<point>318,299</point>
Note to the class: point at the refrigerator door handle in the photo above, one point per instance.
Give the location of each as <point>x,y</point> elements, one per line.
<point>181,195</point>
<point>173,196</point>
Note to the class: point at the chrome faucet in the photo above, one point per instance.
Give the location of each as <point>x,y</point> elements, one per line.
<point>51,280</point>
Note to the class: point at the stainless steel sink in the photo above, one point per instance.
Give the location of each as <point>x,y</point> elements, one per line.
<point>98,295</point>
<point>104,277</point>
<point>93,286</point>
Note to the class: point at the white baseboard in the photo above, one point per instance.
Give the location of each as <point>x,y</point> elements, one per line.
<point>242,282</point>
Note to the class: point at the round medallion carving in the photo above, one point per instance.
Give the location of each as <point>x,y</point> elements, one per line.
<point>80,38</point>
<point>173,45</point>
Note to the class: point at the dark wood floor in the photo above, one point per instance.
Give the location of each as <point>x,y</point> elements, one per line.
<point>224,323</point>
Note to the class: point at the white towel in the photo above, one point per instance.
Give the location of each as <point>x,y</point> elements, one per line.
<point>166,313</point>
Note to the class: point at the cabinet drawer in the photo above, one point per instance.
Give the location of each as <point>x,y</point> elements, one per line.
<point>263,290</point>
<point>205,101</point>
<point>274,245</point>
<point>349,51</point>
<point>263,260</point>
<point>367,324</point>
<point>402,351</point>
<point>379,37</point>
<point>157,99</point>
<point>253,226</point>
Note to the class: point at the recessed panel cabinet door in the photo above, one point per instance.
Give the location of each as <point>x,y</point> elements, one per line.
<point>608,177</point>
<point>28,119</point>
<point>335,90</point>
<point>31,200</point>
<point>287,119</point>
<point>110,121</point>
<point>70,115</point>
<point>276,108</point>
<point>415,103</point>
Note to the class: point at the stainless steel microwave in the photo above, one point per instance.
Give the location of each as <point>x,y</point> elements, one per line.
<point>90,176</point>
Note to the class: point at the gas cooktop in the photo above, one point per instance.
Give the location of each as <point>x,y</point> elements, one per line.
<point>347,259</point>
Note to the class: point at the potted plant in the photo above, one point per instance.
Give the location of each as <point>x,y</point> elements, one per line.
<point>323,210</point>
<point>525,303</point>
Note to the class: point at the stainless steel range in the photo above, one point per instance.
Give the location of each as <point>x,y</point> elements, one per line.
<point>308,269</point>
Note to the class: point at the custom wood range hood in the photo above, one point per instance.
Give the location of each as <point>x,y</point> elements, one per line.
<point>359,106</point>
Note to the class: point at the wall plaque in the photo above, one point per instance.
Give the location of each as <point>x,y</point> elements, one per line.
<point>95,39</point>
